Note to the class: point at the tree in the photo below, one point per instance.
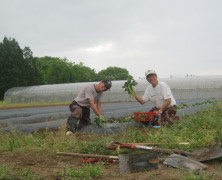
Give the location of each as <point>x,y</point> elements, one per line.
<point>113,73</point>
<point>55,70</point>
<point>52,70</point>
<point>12,65</point>
<point>81,73</point>
<point>32,72</point>
<point>58,72</point>
<point>19,68</point>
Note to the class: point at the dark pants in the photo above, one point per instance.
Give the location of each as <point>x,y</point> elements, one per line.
<point>80,117</point>
<point>168,116</point>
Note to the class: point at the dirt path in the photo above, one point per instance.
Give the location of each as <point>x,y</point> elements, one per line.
<point>50,167</point>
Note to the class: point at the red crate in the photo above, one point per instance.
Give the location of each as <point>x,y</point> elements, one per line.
<point>144,116</point>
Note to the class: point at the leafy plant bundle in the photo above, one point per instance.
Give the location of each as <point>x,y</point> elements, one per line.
<point>100,120</point>
<point>128,86</point>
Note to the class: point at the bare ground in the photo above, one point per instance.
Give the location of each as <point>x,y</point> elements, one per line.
<point>51,166</point>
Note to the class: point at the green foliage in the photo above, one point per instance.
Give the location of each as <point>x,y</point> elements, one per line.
<point>198,176</point>
<point>113,73</point>
<point>11,141</point>
<point>87,172</point>
<point>200,130</point>
<point>100,120</point>
<point>18,67</point>
<point>93,147</point>
<point>56,71</point>
<point>28,174</point>
<point>4,171</point>
<point>53,70</point>
<point>128,85</point>
<point>12,65</point>
<point>81,73</point>
<point>9,173</point>
<point>132,135</point>
<point>183,105</point>
<point>122,119</point>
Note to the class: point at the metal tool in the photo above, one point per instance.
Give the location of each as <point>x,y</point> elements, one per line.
<point>202,154</point>
<point>127,162</point>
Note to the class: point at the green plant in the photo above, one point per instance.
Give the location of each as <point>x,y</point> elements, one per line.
<point>87,172</point>
<point>100,120</point>
<point>128,85</point>
<point>93,147</point>
<point>198,176</point>
<point>4,171</point>
<point>28,174</point>
<point>10,173</point>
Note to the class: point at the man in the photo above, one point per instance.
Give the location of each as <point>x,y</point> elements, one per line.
<point>89,97</point>
<point>160,94</point>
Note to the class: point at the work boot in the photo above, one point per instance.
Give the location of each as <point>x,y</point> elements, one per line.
<point>71,124</point>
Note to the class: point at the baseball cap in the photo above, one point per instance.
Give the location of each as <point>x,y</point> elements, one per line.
<point>150,71</point>
<point>107,83</point>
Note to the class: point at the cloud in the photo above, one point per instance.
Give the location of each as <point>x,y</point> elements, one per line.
<point>173,37</point>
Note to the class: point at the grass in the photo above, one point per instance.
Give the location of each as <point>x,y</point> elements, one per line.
<point>4,105</point>
<point>86,172</point>
<point>201,129</point>
<point>7,172</point>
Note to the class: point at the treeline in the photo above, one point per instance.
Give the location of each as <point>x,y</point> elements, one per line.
<point>18,67</point>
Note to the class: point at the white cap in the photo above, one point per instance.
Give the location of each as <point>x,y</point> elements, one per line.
<point>150,71</point>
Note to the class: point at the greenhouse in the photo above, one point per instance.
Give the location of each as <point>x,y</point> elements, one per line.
<point>196,87</point>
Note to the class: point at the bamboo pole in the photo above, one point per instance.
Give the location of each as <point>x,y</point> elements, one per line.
<point>87,155</point>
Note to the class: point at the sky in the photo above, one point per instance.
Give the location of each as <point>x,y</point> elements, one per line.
<point>174,37</point>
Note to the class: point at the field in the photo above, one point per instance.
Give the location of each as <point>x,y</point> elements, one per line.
<point>33,156</point>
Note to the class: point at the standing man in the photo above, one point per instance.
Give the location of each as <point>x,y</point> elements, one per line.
<point>160,94</point>
<point>89,97</point>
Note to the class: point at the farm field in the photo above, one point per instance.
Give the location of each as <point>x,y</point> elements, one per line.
<point>33,155</point>
<point>52,117</point>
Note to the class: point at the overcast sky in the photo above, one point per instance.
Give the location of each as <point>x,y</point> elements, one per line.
<point>174,37</point>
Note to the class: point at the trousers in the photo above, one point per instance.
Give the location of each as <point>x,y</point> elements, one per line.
<point>79,118</point>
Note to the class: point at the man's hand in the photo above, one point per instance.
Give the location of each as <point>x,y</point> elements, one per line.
<point>158,113</point>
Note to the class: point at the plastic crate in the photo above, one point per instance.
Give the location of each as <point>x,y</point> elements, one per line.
<point>144,116</point>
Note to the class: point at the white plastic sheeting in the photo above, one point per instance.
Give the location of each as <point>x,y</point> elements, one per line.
<point>182,87</point>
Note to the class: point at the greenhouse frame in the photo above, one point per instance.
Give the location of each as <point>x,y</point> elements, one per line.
<point>196,87</point>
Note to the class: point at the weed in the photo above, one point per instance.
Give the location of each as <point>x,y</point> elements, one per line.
<point>87,172</point>
<point>4,171</point>
<point>8,173</point>
<point>198,176</point>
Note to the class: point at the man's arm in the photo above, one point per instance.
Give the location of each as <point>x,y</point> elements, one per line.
<point>164,106</point>
<point>95,108</point>
<point>99,107</point>
<point>138,98</point>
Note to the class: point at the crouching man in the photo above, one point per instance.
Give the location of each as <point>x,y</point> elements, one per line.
<point>89,97</point>
<point>160,94</point>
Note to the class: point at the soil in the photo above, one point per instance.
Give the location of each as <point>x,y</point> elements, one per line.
<point>50,166</point>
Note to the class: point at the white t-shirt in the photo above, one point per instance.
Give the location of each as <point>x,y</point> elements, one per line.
<point>158,94</point>
<point>87,93</point>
